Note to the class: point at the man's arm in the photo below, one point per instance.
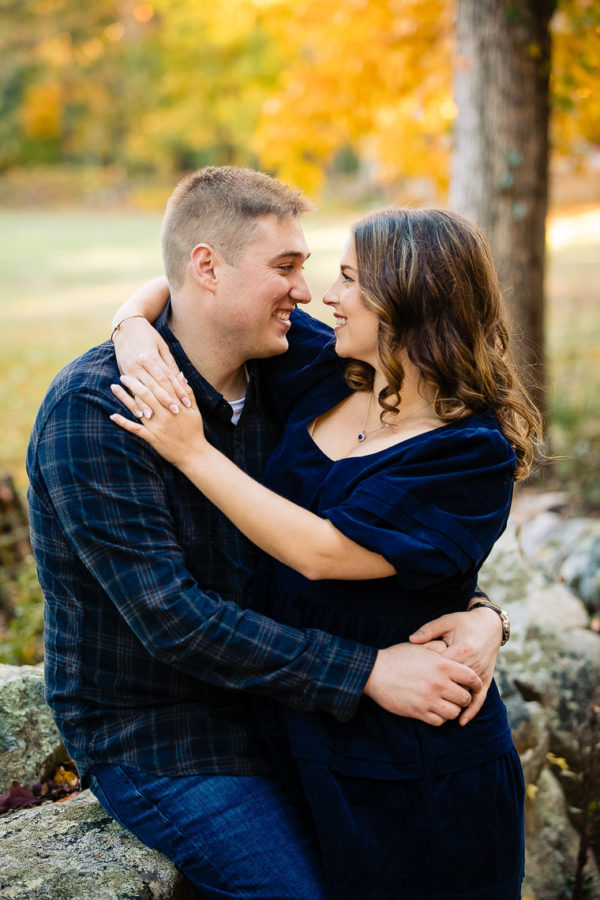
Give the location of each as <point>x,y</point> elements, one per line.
<point>113,508</point>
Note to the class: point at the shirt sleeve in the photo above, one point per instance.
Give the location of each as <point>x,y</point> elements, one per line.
<point>310,360</point>
<point>435,514</point>
<point>113,508</point>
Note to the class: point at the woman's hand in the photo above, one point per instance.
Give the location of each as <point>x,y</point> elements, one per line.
<point>176,433</point>
<point>142,353</point>
<point>472,639</point>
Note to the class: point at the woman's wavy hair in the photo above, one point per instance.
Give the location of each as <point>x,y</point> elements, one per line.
<point>430,277</point>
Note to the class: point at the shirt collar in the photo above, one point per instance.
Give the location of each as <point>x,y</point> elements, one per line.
<point>207,397</point>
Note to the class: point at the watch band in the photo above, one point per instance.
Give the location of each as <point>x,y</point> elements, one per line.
<point>503,618</point>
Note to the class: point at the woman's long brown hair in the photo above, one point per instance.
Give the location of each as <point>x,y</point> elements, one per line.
<point>430,277</point>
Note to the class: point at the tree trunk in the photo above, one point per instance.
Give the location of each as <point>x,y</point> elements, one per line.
<point>500,161</point>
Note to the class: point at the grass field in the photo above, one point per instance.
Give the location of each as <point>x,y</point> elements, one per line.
<point>64,273</point>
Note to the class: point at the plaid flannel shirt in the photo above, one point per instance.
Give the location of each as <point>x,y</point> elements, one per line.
<point>150,656</point>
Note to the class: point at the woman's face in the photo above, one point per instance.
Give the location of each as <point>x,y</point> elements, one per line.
<point>356,326</point>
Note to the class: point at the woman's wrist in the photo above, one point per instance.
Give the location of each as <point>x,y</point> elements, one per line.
<point>117,323</point>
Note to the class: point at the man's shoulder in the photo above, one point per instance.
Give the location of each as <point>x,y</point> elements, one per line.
<point>88,376</point>
<point>93,371</point>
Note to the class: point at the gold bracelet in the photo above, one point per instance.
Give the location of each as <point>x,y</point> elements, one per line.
<point>118,325</point>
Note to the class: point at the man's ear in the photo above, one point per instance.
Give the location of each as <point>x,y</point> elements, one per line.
<point>205,262</point>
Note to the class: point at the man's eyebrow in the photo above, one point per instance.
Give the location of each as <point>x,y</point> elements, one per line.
<point>286,254</point>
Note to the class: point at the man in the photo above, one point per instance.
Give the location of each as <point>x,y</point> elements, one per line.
<point>150,656</point>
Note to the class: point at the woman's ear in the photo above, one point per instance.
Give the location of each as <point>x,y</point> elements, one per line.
<point>205,262</point>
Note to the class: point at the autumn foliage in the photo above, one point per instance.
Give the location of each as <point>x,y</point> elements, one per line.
<point>63,785</point>
<point>291,87</point>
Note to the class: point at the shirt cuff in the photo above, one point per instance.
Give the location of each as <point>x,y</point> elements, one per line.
<point>346,666</point>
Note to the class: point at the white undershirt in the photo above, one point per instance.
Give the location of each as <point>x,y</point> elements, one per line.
<point>237,407</point>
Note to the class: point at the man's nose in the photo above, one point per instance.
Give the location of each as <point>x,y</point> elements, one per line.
<point>300,292</point>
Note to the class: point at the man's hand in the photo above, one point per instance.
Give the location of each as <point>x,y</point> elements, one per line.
<point>412,681</point>
<point>472,638</point>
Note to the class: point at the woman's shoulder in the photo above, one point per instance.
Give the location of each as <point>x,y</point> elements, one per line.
<point>466,464</point>
<point>476,439</point>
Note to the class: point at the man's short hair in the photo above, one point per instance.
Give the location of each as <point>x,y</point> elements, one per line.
<point>220,205</point>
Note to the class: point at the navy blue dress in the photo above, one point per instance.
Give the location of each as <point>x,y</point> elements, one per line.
<point>401,809</point>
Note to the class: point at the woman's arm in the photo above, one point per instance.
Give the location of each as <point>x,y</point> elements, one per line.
<point>139,348</point>
<point>307,543</point>
<point>147,302</point>
<point>293,535</point>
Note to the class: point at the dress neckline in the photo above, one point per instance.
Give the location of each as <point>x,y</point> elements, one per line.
<point>415,437</point>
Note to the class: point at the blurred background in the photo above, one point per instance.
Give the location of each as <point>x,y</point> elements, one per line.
<point>361,103</point>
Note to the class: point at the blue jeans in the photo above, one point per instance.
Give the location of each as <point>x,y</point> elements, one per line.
<point>232,836</point>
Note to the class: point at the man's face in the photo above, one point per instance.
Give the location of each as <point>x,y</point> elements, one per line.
<point>258,293</point>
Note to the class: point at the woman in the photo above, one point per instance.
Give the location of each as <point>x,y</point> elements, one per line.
<point>383,505</point>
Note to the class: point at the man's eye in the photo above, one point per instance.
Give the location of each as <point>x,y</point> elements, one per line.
<point>286,268</point>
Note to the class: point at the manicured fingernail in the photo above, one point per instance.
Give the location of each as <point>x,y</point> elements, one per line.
<point>138,413</point>
<point>125,379</point>
<point>182,377</point>
<point>186,401</point>
<point>147,412</point>
<point>174,408</point>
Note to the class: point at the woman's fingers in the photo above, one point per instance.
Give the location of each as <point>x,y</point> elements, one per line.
<point>171,392</point>
<point>473,708</point>
<point>130,426</point>
<point>171,380</point>
<point>134,403</point>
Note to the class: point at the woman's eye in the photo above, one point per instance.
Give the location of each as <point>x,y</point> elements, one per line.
<point>347,278</point>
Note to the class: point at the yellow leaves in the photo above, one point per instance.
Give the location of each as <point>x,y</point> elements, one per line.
<point>92,49</point>
<point>531,792</point>
<point>558,761</point>
<point>574,75</point>
<point>374,75</point>
<point>57,51</point>
<point>41,112</point>
<point>114,32</point>
<point>66,776</point>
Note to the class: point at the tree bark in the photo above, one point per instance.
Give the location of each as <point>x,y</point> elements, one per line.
<point>500,160</point>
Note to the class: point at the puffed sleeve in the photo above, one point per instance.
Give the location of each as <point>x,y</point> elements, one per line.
<point>436,511</point>
<point>310,362</point>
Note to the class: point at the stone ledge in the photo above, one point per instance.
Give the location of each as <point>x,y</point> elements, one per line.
<point>75,851</point>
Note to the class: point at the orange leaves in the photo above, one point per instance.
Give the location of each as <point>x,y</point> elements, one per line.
<point>64,785</point>
<point>41,112</point>
<point>574,74</point>
<point>376,76</point>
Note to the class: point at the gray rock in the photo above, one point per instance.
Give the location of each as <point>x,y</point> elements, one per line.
<point>75,851</point>
<point>552,843</point>
<point>28,735</point>
<point>531,734</point>
<point>570,551</point>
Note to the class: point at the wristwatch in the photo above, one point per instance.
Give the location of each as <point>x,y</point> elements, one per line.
<point>503,617</point>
